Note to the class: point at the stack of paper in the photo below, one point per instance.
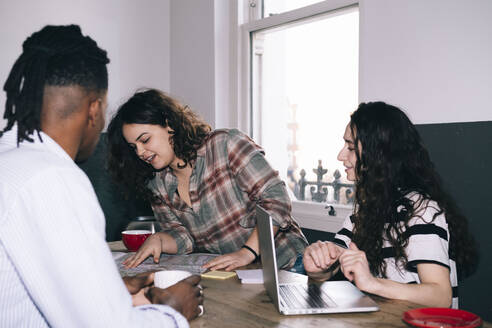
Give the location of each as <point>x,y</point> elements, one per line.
<point>255,276</point>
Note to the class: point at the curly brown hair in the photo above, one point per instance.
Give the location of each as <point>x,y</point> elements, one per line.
<point>151,106</point>
<point>392,163</point>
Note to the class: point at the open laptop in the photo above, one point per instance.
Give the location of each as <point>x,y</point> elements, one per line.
<point>304,298</point>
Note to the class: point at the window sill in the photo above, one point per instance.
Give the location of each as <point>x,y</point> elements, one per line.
<point>315,216</point>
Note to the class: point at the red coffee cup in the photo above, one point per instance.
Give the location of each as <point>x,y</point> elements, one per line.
<point>133,239</point>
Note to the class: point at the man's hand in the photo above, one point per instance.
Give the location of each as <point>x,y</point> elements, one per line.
<point>138,285</point>
<point>185,297</point>
<point>231,261</point>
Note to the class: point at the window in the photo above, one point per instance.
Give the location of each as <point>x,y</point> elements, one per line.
<point>303,87</point>
<point>275,7</point>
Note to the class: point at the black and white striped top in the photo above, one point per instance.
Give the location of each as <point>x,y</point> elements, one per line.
<point>428,243</point>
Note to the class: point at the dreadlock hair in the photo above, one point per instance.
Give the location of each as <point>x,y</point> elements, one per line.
<point>53,56</point>
<point>392,163</point>
<point>151,106</point>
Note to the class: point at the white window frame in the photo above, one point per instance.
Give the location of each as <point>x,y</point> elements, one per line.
<point>309,215</point>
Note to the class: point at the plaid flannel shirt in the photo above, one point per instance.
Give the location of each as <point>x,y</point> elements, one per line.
<point>230,176</point>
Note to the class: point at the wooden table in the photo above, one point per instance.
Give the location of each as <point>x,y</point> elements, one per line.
<point>228,303</point>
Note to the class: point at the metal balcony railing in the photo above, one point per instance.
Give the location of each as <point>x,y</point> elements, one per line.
<point>319,188</point>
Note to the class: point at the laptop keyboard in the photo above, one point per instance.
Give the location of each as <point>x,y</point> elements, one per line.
<point>305,296</point>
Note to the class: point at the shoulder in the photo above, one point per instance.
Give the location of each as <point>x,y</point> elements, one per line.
<point>427,220</point>
<point>21,168</point>
<point>226,135</point>
<point>33,176</point>
<point>231,141</point>
<point>30,161</point>
<point>240,142</point>
<point>426,210</point>
<point>344,236</point>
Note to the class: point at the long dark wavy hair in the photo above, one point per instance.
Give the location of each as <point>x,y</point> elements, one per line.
<point>151,107</point>
<point>391,163</point>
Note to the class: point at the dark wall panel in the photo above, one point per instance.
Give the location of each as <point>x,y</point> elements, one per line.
<point>117,210</point>
<point>313,236</point>
<point>462,153</point>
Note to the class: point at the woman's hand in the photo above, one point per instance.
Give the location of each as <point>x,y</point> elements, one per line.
<point>320,255</point>
<point>355,267</point>
<point>231,261</point>
<point>152,246</point>
<point>433,290</point>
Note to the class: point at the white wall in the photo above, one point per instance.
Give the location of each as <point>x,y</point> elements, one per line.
<point>225,33</point>
<point>136,35</point>
<point>433,58</point>
<point>192,52</point>
<point>203,55</point>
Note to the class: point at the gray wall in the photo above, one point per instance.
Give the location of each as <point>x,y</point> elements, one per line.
<point>136,35</point>
<point>433,58</point>
<point>193,55</point>
<point>201,52</point>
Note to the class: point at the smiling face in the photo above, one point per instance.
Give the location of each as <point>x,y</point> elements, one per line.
<point>152,144</point>
<point>347,155</point>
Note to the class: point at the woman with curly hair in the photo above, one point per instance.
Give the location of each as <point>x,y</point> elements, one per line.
<point>406,238</point>
<point>203,185</point>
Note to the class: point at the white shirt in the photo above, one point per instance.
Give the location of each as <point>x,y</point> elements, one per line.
<point>428,242</point>
<point>55,266</point>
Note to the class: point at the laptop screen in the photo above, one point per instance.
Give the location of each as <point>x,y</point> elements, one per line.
<point>338,296</point>
<point>267,251</point>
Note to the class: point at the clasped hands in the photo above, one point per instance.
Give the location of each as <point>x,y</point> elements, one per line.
<point>322,259</point>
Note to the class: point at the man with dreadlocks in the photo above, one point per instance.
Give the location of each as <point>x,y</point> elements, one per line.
<point>56,268</point>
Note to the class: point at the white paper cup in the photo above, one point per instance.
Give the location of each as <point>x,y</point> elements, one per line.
<point>164,279</point>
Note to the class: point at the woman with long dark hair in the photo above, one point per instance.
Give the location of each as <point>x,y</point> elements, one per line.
<point>203,185</point>
<point>406,238</point>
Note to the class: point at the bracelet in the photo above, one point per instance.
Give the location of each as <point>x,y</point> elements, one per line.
<point>252,251</point>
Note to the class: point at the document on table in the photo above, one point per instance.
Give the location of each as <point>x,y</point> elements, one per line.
<point>189,262</point>
<point>255,276</point>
